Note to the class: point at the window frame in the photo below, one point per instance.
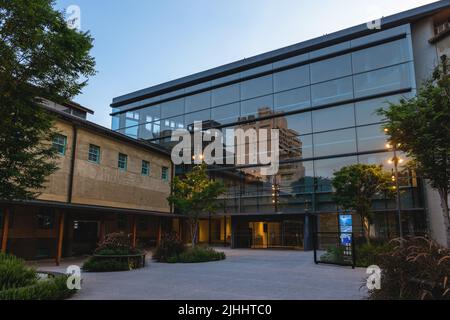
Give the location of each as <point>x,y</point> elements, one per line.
<point>124,161</point>
<point>147,167</point>
<point>98,156</point>
<point>165,174</point>
<point>56,144</point>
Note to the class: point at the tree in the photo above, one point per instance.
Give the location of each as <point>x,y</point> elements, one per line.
<point>195,194</point>
<point>420,127</point>
<point>40,57</point>
<point>355,186</point>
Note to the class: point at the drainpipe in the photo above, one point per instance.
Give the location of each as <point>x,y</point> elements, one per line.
<point>72,164</point>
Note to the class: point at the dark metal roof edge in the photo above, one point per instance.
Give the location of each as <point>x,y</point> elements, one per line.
<point>65,205</point>
<point>107,132</point>
<point>78,106</point>
<point>285,52</point>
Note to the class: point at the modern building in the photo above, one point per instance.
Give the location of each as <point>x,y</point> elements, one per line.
<point>106,182</point>
<point>323,95</point>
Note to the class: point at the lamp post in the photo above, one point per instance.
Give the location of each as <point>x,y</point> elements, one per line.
<point>396,160</point>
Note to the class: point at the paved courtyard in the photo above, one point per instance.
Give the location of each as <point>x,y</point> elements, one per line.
<point>245,274</point>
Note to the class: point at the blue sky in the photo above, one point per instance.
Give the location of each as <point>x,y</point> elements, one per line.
<point>140,43</point>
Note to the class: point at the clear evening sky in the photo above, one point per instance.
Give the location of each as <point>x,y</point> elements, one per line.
<point>140,43</point>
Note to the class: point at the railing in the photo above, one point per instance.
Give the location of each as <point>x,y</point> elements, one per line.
<point>336,248</point>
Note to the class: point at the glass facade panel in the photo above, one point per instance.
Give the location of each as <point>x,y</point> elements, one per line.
<point>333,118</point>
<point>197,116</point>
<point>333,68</point>
<point>371,138</point>
<point>332,91</point>
<point>296,99</point>
<point>383,80</point>
<point>291,78</point>
<point>256,87</point>
<point>226,114</point>
<point>198,101</point>
<point>334,142</point>
<point>258,107</point>
<point>172,108</point>
<point>225,95</point>
<point>296,124</point>
<point>384,55</point>
<point>324,170</point>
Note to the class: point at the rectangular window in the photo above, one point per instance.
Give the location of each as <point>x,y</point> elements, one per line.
<point>383,80</point>
<point>145,170</point>
<point>334,142</point>
<point>172,108</point>
<point>226,114</point>
<point>371,138</point>
<point>122,163</point>
<point>333,118</point>
<point>165,174</point>
<point>225,95</point>
<point>45,220</point>
<point>291,78</point>
<point>332,91</point>
<point>198,101</point>
<point>296,99</point>
<point>94,153</point>
<point>256,87</point>
<point>331,68</point>
<point>60,144</point>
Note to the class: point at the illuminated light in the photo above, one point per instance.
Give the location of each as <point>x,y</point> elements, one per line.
<point>273,201</point>
<point>386,130</point>
<point>390,161</point>
<point>273,194</point>
<point>400,160</point>
<point>394,187</point>
<point>388,146</point>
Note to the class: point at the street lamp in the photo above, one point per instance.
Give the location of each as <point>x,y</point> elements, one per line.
<point>396,160</point>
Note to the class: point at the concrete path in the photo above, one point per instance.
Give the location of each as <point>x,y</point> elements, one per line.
<point>245,274</point>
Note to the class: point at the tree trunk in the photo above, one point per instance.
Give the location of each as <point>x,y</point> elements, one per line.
<point>445,212</point>
<point>364,228</point>
<point>194,232</point>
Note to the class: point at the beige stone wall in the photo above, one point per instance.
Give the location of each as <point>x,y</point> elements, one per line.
<point>104,184</point>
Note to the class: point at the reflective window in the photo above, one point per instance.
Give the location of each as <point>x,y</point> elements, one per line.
<point>197,116</point>
<point>151,113</point>
<point>296,99</point>
<point>331,68</point>
<point>256,87</point>
<point>94,153</point>
<point>198,101</point>
<point>59,143</point>
<point>122,162</point>
<point>371,138</point>
<point>383,80</point>
<point>225,95</point>
<point>226,114</point>
<point>291,78</point>
<point>324,170</point>
<point>168,125</point>
<point>333,118</point>
<point>296,124</point>
<point>334,142</point>
<point>258,107</point>
<point>292,146</point>
<point>172,108</point>
<point>378,158</point>
<point>380,56</point>
<point>131,131</point>
<point>332,91</point>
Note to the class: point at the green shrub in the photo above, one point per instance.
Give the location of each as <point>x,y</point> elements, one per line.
<point>14,273</point>
<point>334,254</point>
<point>94,264</point>
<point>197,254</point>
<point>368,254</point>
<point>415,268</point>
<point>170,246</point>
<point>53,288</point>
<point>116,244</point>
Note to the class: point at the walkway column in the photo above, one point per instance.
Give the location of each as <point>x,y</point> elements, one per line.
<point>158,232</point>
<point>5,229</point>
<point>102,230</point>
<point>133,232</point>
<point>62,217</point>
<point>308,233</point>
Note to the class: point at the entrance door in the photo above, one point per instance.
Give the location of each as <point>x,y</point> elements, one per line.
<point>85,237</point>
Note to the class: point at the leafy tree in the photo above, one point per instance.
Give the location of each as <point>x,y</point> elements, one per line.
<point>40,57</point>
<point>355,186</point>
<point>420,127</point>
<point>195,194</point>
